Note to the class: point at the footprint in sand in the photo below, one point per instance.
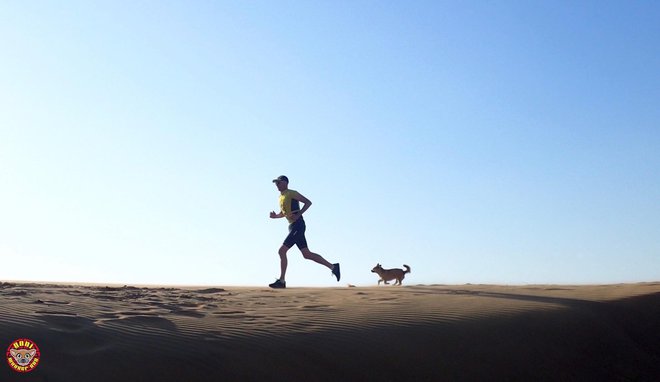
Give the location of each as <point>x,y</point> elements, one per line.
<point>65,321</point>
<point>317,307</point>
<point>188,313</point>
<point>210,290</point>
<point>148,322</point>
<point>47,302</point>
<point>230,313</point>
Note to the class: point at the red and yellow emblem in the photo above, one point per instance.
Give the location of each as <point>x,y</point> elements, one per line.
<point>23,355</point>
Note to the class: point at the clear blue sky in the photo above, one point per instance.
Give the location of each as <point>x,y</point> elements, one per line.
<point>478,142</point>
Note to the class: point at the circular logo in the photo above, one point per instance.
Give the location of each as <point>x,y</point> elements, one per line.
<point>23,355</point>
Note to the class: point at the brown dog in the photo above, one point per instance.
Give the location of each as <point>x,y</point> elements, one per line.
<point>390,274</point>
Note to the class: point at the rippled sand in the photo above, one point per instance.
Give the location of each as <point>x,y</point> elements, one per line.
<point>410,333</point>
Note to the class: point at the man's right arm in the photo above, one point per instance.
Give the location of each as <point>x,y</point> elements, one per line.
<point>273,215</point>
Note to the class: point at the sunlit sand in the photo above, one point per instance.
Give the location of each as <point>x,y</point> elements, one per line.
<point>409,333</point>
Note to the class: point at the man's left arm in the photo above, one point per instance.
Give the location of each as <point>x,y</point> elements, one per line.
<point>306,203</point>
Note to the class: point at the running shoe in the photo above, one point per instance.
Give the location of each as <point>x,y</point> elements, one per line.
<point>335,271</point>
<point>278,284</point>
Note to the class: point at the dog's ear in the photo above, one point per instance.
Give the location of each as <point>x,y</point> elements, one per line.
<point>13,352</point>
<point>32,352</point>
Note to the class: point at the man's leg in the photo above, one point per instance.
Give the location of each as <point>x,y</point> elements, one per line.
<point>301,242</point>
<point>309,255</point>
<point>283,261</point>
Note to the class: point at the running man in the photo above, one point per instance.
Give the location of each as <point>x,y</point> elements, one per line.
<point>290,209</point>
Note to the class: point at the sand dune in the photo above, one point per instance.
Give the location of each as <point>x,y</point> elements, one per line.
<point>410,333</point>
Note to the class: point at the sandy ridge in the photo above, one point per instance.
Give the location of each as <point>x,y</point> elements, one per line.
<point>422,332</point>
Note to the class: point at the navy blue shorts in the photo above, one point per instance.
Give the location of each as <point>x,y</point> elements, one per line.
<point>296,235</point>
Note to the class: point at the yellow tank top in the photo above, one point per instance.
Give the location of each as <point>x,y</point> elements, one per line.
<point>289,203</point>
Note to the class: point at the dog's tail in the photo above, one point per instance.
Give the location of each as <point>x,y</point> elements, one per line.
<point>407,269</point>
